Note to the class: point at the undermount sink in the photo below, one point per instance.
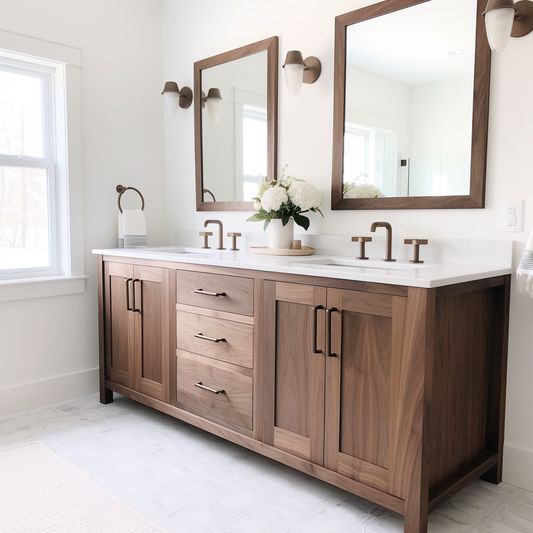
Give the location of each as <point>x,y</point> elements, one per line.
<point>356,263</point>
<point>181,250</point>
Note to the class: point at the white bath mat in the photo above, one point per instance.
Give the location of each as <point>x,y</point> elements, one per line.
<point>40,493</point>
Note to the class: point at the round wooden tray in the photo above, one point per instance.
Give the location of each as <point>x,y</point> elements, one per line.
<point>264,250</point>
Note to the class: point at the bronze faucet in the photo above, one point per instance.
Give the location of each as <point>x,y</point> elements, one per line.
<point>388,227</point>
<point>220,232</point>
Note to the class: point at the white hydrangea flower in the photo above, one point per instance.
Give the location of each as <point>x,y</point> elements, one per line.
<point>364,190</point>
<point>273,198</point>
<point>304,195</point>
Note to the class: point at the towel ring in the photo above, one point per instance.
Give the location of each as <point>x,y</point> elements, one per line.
<point>121,190</point>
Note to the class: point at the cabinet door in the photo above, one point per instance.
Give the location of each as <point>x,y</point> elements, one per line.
<point>151,307</point>
<point>296,414</point>
<point>363,374</point>
<point>119,324</point>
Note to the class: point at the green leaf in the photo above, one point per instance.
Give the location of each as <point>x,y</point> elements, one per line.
<point>257,217</point>
<point>302,221</point>
<point>267,222</point>
<point>285,219</point>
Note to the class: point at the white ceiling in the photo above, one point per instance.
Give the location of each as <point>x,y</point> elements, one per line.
<point>429,42</point>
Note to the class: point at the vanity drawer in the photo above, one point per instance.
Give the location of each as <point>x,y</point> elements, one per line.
<point>223,391</point>
<point>225,340</point>
<point>216,291</point>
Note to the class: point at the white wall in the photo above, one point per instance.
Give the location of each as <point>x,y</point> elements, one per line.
<point>441,137</point>
<point>49,346</point>
<point>305,143</point>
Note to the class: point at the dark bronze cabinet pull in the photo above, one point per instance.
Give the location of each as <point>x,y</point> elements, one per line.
<point>207,293</point>
<point>316,309</point>
<point>128,306</point>
<point>200,385</point>
<point>136,309</point>
<point>329,312</point>
<point>203,337</point>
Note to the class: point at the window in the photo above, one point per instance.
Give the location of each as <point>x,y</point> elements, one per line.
<point>33,214</point>
<point>254,150</point>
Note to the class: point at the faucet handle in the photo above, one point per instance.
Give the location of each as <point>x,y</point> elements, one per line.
<point>234,236</point>
<point>416,248</point>
<point>362,244</point>
<point>206,235</point>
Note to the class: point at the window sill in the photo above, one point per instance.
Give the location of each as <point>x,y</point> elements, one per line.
<point>28,289</point>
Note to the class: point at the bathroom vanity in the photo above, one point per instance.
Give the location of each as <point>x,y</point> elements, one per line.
<point>385,381</point>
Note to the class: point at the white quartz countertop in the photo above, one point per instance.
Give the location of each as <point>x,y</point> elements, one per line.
<point>428,275</point>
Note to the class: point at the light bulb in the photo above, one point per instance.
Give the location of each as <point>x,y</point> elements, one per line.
<point>294,76</point>
<point>499,25</point>
<point>214,108</point>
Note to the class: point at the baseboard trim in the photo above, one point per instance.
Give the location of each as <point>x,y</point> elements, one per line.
<point>26,396</point>
<point>518,466</point>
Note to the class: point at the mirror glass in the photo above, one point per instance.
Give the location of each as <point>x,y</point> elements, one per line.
<point>235,122</point>
<point>409,102</point>
<point>235,128</point>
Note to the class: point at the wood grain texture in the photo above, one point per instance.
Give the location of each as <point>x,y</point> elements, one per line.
<point>236,348</point>
<point>461,383</point>
<point>271,46</point>
<point>299,377</point>
<point>119,324</point>
<point>476,198</point>
<point>152,331</point>
<point>411,437</point>
<point>239,292</point>
<point>234,405</point>
<point>360,401</point>
<point>366,492</point>
<point>213,313</point>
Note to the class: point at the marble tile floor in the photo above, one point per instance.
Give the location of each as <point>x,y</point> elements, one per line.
<point>189,481</point>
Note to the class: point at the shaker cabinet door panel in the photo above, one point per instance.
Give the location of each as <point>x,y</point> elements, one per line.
<point>152,326</point>
<point>362,393</point>
<point>298,374</point>
<point>119,324</point>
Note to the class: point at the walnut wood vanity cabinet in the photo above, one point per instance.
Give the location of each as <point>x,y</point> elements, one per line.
<point>395,394</point>
<point>137,328</point>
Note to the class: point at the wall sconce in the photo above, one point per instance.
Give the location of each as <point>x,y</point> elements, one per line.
<point>213,102</point>
<point>185,95</point>
<point>299,70</point>
<point>505,19</point>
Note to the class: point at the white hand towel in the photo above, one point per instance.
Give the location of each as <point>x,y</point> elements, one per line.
<point>524,272</point>
<point>132,223</point>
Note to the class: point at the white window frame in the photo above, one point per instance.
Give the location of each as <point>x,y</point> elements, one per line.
<point>47,75</point>
<point>66,207</point>
<point>247,104</point>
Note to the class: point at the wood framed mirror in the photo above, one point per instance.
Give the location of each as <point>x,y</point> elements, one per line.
<point>411,106</point>
<point>236,125</point>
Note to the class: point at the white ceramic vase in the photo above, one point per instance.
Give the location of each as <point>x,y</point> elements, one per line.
<point>280,236</point>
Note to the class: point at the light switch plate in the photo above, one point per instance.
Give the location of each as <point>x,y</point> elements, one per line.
<point>514,217</point>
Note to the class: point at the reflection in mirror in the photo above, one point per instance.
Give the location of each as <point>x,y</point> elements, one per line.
<point>234,133</point>
<point>409,102</point>
<point>411,107</point>
<point>236,125</point>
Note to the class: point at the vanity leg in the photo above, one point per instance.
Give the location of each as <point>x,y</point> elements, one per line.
<point>106,396</point>
<point>498,378</point>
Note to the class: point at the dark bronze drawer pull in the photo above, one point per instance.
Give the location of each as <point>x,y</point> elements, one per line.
<point>128,306</point>
<point>136,309</point>
<point>329,312</point>
<point>203,337</point>
<point>316,309</point>
<point>200,385</point>
<point>207,293</point>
